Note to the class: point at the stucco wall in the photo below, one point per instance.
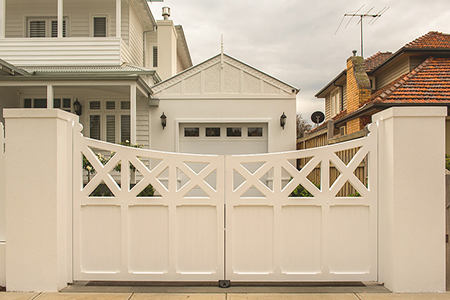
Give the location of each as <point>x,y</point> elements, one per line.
<point>239,110</point>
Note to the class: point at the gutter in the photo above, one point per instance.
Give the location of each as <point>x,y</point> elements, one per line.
<point>332,82</point>
<point>87,77</point>
<point>374,107</point>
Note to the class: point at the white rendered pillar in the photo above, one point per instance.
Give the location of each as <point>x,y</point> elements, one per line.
<point>38,162</point>
<point>60,18</point>
<point>133,113</point>
<point>411,187</point>
<point>3,19</point>
<point>118,18</point>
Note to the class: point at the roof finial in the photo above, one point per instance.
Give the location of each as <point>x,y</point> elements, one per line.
<point>221,50</point>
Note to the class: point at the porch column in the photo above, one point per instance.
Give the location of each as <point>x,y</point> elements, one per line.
<point>60,18</point>
<point>133,113</point>
<point>3,18</point>
<point>50,96</point>
<point>118,18</point>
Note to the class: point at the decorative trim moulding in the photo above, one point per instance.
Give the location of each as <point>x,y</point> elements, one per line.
<point>231,62</point>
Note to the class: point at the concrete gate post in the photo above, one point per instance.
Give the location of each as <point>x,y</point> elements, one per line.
<point>38,199</point>
<point>412,198</point>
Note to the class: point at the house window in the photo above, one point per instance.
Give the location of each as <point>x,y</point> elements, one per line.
<point>335,99</point>
<point>99,26</point>
<point>44,27</point>
<point>109,120</point>
<point>62,103</point>
<point>155,57</point>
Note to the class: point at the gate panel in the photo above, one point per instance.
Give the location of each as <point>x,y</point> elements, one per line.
<point>120,233</point>
<point>328,234</point>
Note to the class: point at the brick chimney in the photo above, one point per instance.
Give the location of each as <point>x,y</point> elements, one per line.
<point>358,90</point>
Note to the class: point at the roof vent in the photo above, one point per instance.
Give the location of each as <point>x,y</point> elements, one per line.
<point>166,12</point>
<point>354,52</point>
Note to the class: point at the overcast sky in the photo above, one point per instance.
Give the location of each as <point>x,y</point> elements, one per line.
<point>295,40</point>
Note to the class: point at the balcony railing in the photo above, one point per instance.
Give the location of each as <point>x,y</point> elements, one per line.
<point>85,51</point>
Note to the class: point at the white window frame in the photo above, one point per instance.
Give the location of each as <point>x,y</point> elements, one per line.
<point>335,102</point>
<point>91,23</point>
<point>103,112</point>
<point>48,25</point>
<point>23,97</point>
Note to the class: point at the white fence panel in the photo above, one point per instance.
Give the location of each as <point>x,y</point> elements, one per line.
<point>273,236</point>
<point>175,234</point>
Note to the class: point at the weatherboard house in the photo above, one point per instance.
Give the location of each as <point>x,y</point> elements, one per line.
<point>111,63</point>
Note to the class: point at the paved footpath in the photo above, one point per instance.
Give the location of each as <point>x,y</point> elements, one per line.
<point>224,296</point>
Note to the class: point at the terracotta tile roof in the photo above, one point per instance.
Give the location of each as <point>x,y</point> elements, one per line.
<point>432,39</point>
<point>376,60</point>
<point>427,83</point>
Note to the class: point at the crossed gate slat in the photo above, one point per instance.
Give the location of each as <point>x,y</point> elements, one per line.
<point>277,208</point>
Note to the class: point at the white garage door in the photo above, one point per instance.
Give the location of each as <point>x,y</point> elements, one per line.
<point>223,139</point>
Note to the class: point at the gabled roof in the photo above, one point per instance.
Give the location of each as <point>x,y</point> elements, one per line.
<point>371,63</point>
<point>427,83</point>
<point>432,39</point>
<point>376,60</point>
<point>232,69</point>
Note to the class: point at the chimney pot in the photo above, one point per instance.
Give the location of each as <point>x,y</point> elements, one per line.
<point>166,12</point>
<point>354,52</point>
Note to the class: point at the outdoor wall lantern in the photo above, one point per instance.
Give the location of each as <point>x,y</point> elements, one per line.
<point>77,107</point>
<point>283,120</point>
<point>163,120</point>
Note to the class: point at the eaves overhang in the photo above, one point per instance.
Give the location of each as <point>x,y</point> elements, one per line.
<point>183,49</point>
<point>81,77</point>
<point>403,51</point>
<point>8,69</point>
<point>332,83</point>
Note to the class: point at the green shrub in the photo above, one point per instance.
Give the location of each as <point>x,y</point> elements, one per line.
<point>300,191</point>
<point>447,162</point>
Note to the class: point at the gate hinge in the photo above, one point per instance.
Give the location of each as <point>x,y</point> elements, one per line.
<point>224,283</point>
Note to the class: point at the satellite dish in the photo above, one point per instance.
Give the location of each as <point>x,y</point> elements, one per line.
<point>317,117</point>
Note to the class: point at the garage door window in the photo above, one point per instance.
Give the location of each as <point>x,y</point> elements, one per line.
<point>234,131</point>
<point>212,131</point>
<point>191,132</point>
<point>255,132</point>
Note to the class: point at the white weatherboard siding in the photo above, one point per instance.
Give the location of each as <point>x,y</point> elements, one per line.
<point>79,48</point>
<point>142,123</point>
<point>56,52</point>
<point>136,38</point>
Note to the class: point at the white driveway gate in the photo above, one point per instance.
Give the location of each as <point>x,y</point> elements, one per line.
<point>224,217</point>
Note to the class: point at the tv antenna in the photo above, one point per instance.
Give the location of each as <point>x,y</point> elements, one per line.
<point>374,17</point>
